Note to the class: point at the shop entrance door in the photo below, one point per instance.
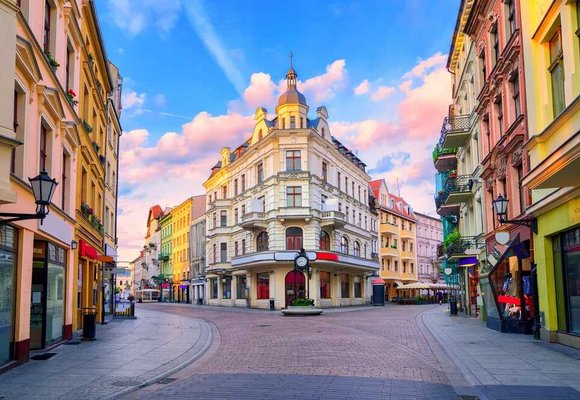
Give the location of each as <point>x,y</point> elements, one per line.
<point>295,284</point>
<point>37,304</point>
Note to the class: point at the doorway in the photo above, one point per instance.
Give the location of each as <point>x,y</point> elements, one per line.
<point>295,286</point>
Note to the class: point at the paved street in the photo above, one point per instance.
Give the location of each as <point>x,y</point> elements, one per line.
<point>391,352</point>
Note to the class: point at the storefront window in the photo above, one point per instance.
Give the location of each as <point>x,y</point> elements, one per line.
<point>357,287</point>
<point>571,264</point>
<point>227,287</point>
<point>263,285</point>
<point>241,287</point>
<point>213,282</point>
<point>7,268</point>
<point>344,286</point>
<point>324,285</point>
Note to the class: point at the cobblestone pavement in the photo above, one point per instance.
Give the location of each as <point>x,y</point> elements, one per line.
<point>366,353</point>
<point>126,354</point>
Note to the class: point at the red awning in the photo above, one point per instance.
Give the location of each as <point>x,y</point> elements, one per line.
<point>86,250</point>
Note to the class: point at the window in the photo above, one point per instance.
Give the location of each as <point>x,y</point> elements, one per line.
<point>344,245</point>
<point>241,286</point>
<point>483,68</point>
<point>292,122</point>
<point>293,160</point>
<point>68,72</point>
<point>495,42</point>
<point>324,285</point>
<point>235,187</point>
<point>63,180</point>
<point>260,173</point>
<point>324,171</point>
<point>223,252</point>
<point>236,249</point>
<point>262,241</point>
<point>521,191</point>
<point>47,23</point>
<point>347,214</point>
<point>346,184</point>
<point>324,242</point>
<point>499,110</point>
<point>338,179</point>
<point>365,222</point>
<point>516,95</point>
<point>412,268</point>
<point>556,70</point>
<point>352,192</point>
<point>223,218</point>
<point>356,248</point>
<point>260,134</point>
<point>224,192</point>
<point>396,266</point>
<point>243,183</point>
<point>214,220</point>
<point>294,238</point>
<point>344,286</point>
<point>323,199</point>
<point>227,287</point>
<point>236,217</point>
<point>243,246</point>
<point>359,193</point>
<point>357,287</point>
<point>263,287</point>
<point>294,196</point>
<point>43,147</point>
<point>214,288</point>
<point>322,130</point>
<point>511,18</point>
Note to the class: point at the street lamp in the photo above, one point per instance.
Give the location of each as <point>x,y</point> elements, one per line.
<point>500,206</point>
<point>43,189</point>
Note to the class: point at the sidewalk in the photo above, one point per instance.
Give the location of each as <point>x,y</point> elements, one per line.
<point>126,355</point>
<point>506,366</point>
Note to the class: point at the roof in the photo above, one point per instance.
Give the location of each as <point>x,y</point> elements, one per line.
<point>291,96</point>
<point>375,186</point>
<point>155,211</point>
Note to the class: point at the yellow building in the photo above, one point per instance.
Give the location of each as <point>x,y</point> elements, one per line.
<point>181,220</point>
<point>552,73</point>
<point>397,239</point>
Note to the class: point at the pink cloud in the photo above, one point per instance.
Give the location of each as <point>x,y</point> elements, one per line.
<point>436,61</point>
<point>260,92</point>
<point>362,88</point>
<point>382,93</point>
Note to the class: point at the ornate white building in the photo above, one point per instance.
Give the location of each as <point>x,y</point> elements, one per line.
<point>291,185</point>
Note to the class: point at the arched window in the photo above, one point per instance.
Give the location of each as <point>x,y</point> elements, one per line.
<point>344,245</point>
<point>324,241</point>
<point>262,241</point>
<point>356,248</point>
<point>293,238</point>
<point>260,134</point>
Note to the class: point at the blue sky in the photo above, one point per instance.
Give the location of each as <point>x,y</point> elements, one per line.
<point>192,71</point>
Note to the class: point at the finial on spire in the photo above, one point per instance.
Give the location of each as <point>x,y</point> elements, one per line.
<point>291,75</point>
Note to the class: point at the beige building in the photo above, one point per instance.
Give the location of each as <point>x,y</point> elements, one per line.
<point>397,239</point>
<point>291,185</point>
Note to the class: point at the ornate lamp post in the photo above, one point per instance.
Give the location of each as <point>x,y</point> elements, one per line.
<point>43,189</point>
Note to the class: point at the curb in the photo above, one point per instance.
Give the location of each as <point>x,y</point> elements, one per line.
<point>192,354</point>
<point>453,368</point>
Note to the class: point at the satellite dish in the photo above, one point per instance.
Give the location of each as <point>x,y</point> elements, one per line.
<point>502,237</point>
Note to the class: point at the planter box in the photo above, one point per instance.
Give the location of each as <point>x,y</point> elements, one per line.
<point>302,311</point>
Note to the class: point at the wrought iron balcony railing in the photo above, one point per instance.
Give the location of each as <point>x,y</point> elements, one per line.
<point>459,247</point>
<point>454,131</point>
<point>442,151</point>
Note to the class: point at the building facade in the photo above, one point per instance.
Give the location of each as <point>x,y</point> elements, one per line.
<point>397,239</point>
<point>197,259</point>
<point>552,63</point>
<point>457,158</point>
<point>152,249</point>
<point>41,293</point>
<point>290,186</point>
<point>165,256</point>
<point>429,237</point>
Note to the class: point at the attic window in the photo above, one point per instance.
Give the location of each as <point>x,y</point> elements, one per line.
<point>260,135</point>
<point>322,132</point>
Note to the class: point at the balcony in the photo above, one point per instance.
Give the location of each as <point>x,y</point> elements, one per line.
<point>444,158</point>
<point>253,220</point>
<point>444,209</point>
<point>463,247</point>
<point>407,255</point>
<point>387,227</point>
<point>389,252</point>
<point>293,213</point>
<point>455,131</point>
<point>405,234</point>
<point>221,203</point>
<point>458,189</point>
<point>163,257</point>
<point>334,219</point>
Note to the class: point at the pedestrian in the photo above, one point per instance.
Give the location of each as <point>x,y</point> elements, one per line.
<point>440,297</point>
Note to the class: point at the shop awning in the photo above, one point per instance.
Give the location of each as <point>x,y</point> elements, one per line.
<point>399,283</point>
<point>467,262</point>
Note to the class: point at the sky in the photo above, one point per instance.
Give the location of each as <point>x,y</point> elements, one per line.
<point>195,71</point>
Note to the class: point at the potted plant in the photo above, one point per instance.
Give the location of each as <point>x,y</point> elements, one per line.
<point>53,64</point>
<point>302,307</point>
<point>71,97</point>
<point>88,128</point>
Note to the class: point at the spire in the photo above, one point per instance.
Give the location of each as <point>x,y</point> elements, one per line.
<point>291,75</point>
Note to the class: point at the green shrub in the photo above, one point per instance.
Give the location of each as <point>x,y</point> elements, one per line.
<point>303,302</point>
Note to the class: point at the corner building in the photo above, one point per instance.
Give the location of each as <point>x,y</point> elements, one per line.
<point>291,185</point>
